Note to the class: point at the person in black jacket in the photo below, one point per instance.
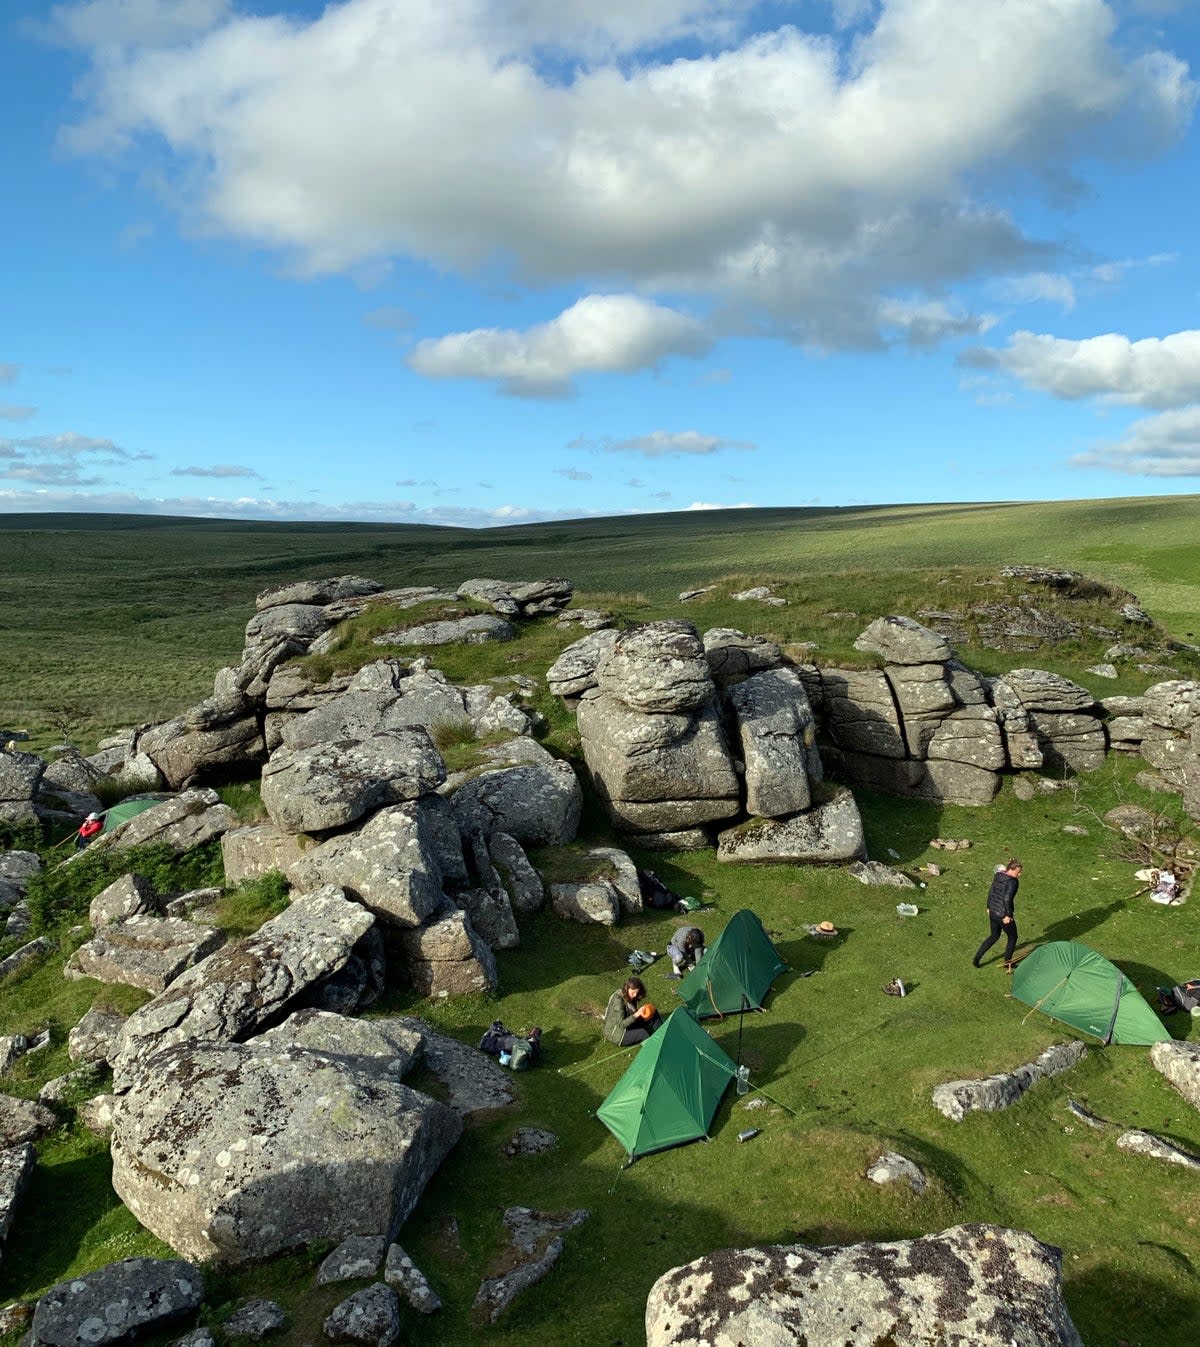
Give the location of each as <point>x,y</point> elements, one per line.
<point>1001,912</point>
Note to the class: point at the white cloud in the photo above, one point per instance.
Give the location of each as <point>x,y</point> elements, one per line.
<point>801,178</point>
<point>1153,372</point>
<point>148,23</point>
<point>928,322</point>
<point>599,333</point>
<point>217,470</point>
<point>1167,445</point>
<point>8,372</point>
<point>708,505</point>
<point>1038,287</point>
<point>12,412</point>
<point>671,443</point>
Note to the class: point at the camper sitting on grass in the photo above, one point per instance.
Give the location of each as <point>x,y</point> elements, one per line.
<point>628,1019</point>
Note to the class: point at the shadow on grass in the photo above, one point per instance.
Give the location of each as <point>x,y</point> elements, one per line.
<point>1111,1305</point>
<point>1071,928</point>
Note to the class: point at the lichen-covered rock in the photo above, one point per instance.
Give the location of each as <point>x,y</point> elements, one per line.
<point>16,1169</point>
<point>23,1120</point>
<point>575,670</point>
<point>491,914</point>
<point>316,592</point>
<point>237,1151</point>
<point>332,784</point>
<point>925,698</point>
<point>956,1098</point>
<point>245,983</point>
<point>401,1272</point>
<point>389,1046</point>
<point>20,777</point>
<point>35,949</point>
<point>875,873</point>
<point>354,1259</point>
<point>520,598</point>
<point>523,883</point>
<point>12,1048</point>
<point>537,1235</point>
<point>861,712</point>
<point>977,1284</point>
<point>381,696</point>
<point>183,822</point>
<point>256,1319</point>
<point>145,952</point>
<point>17,868</point>
<point>115,1302</point>
<point>475,629</point>
<point>891,1167</point>
<point>733,656</point>
<point>368,1318</point>
<point>537,803</point>
<point>1155,1148</point>
<point>1179,1063</point>
<point>220,732</point>
<point>661,772</point>
<point>473,1081</point>
<point>129,896</point>
<point>249,853</point>
<point>901,640</point>
<point>593,902</point>
<point>778,742</point>
<point>392,864</point>
<point>447,957</point>
<point>827,834</point>
<point>657,667</point>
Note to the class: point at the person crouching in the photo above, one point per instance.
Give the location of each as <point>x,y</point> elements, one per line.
<point>686,949</point>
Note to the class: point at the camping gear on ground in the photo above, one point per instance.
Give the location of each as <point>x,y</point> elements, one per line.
<point>736,971</point>
<point>515,1051</point>
<point>654,892</point>
<point>894,988</point>
<point>689,905</point>
<point>641,959</point>
<point>670,1091</point>
<point>1186,996</point>
<point>748,1133</point>
<point>1075,985</point>
<point>907,909</point>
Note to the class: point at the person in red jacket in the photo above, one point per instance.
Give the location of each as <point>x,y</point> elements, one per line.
<point>1002,912</point>
<point>91,827</point>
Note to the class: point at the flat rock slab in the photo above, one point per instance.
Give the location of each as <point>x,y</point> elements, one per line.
<point>956,1098</point>
<point>530,1141</point>
<point>875,873</point>
<point>891,1167</point>
<point>27,954</point>
<point>977,1284</point>
<point>181,823</point>
<point>1146,1143</point>
<point>538,1236</point>
<point>16,1169</point>
<point>354,1259</point>
<point>474,1082</point>
<point>256,1319</point>
<point>145,952</point>
<point>474,630</point>
<point>115,1302</point>
<point>129,896</point>
<point>828,833</point>
<point>1180,1064</point>
<point>391,1046</point>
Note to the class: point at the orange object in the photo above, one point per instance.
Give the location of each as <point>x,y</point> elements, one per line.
<point>648,1011</point>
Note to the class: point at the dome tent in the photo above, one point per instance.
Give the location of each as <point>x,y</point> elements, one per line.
<point>1077,986</point>
<point>736,971</point>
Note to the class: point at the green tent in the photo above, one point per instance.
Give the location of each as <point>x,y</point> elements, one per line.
<point>1079,987</point>
<point>671,1089</point>
<point>736,971</point>
<point>127,809</point>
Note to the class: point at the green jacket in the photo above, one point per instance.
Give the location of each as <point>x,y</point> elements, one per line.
<point>617,1019</point>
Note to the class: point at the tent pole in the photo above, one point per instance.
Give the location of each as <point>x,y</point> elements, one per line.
<point>1048,995</point>
<point>741,1023</point>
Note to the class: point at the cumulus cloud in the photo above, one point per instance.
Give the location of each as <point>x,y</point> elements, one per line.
<point>599,333</point>
<point>1167,445</point>
<point>146,23</point>
<point>573,474</point>
<point>1153,372</point>
<point>11,412</point>
<point>708,505</point>
<point>798,178</point>
<point>673,443</point>
<point>57,460</point>
<point>217,470</point>
<point>928,322</point>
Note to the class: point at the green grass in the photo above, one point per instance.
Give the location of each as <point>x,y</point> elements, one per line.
<point>856,1067</point>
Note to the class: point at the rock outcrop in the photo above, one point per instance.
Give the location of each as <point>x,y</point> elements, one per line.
<point>977,1284</point>
<point>116,1302</point>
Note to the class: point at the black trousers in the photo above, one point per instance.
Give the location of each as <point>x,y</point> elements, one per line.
<point>998,929</point>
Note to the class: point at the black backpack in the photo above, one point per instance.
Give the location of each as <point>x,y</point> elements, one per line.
<point>1186,996</point>
<point>654,892</point>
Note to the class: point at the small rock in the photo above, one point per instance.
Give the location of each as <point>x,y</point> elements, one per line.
<point>530,1141</point>
<point>354,1258</point>
<point>198,1337</point>
<point>400,1271</point>
<point>1146,1143</point>
<point>1023,788</point>
<point>1075,830</point>
<point>95,1036</point>
<point>368,1318</point>
<point>62,1088</point>
<point>931,869</point>
<point>1090,1119</point>
<point>891,1167</point>
<point>96,1114</point>
<point>255,1320</point>
<point>114,1302</point>
<point>877,874</point>
<point>1103,670</point>
<point>689,594</point>
<point>23,1120</point>
<point>12,1048</point>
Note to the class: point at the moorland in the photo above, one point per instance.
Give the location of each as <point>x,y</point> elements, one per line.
<point>113,621</point>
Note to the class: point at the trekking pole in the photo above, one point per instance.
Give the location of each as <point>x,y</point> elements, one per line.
<point>587,1066</point>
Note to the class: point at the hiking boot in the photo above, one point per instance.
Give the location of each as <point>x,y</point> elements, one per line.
<point>974,963</point>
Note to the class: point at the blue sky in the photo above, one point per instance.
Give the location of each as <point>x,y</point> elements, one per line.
<point>464,261</point>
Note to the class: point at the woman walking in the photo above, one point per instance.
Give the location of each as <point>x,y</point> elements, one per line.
<point>1002,912</point>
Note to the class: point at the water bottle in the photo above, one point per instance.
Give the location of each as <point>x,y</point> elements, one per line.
<point>743,1079</point>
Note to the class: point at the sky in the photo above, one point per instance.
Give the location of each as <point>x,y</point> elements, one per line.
<point>483,262</point>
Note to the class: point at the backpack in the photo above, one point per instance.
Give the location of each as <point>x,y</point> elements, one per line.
<point>520,1055</point>
<point>654,892</point>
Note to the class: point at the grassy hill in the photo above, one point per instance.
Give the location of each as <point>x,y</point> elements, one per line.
<point>130,618</point>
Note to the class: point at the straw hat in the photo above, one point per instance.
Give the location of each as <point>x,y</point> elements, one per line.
<point>827,928</point>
